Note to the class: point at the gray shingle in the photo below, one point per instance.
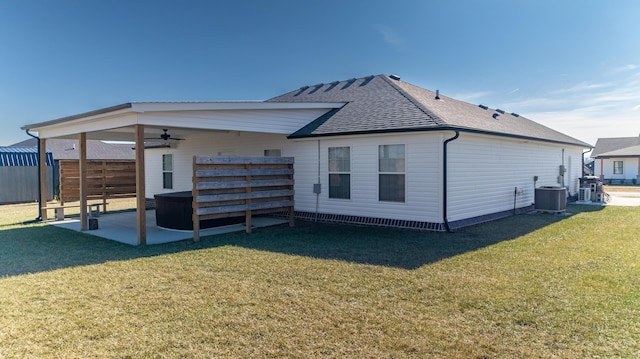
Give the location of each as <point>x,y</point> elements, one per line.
<point>616,146</point>
<point>381,104</point>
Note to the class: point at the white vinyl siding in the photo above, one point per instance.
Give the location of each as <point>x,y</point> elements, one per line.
<point>630,167</point>
<point>484,172</point>
<point>422,198</point>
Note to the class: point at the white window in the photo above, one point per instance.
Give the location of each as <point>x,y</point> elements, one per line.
<point>618,167</point>
<point>272,153</point>
<point>167,171</point>
<point>391,173</point>
<point>340,172</point>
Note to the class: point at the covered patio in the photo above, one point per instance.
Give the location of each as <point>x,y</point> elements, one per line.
<point>138,122</point>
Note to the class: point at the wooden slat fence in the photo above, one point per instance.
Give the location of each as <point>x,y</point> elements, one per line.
<point>235,186</point>
<point>106,179</point>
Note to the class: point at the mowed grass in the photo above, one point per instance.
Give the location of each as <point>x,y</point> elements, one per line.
<point>535,285</point>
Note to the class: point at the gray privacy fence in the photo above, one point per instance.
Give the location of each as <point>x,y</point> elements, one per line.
<point>19,175</point>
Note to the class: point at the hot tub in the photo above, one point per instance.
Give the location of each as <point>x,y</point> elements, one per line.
<point>174,211</point>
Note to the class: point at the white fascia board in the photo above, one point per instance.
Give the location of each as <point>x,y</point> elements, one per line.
<point>129,116</point>
<point>92,124</point>
<point>216,106</point>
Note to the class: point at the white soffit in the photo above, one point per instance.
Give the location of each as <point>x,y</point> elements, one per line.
<point>159,114</point>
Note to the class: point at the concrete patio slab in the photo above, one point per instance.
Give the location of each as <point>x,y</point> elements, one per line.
<point>121,227</point>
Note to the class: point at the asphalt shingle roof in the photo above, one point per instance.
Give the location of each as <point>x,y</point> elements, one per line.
<point>383,104</point>
<point>617,147</point>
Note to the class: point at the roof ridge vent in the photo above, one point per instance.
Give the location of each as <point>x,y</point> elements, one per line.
<point>394,77</point>
<point>302,89</point>
<point>514,114</point>
<point>484,107</point>
<point>349,83</point>
<point>500,111</point>
<point>316,88</point>
<point>332,85</point>
<point>366,80</point>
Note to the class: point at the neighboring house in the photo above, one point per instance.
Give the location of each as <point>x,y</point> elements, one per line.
<point>19,174</point>
<point>617,159</point>
<point>373,150</point>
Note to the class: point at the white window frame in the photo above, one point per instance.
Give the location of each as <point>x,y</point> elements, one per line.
<point>402,171</point>
<point>166,171</point>
<point>621,167</point>
<point>275,152</point>
<point>341,172</point>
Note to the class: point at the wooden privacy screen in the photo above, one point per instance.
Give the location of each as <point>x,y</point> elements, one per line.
<point>105,179</point>
<point>235,186</point>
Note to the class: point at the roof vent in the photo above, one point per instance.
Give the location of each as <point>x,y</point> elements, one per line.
<point>301,90</point>
<point>500,111</point>
<point>366,80</point>
<point>333,84</point>
<point>514,114</point>
<point>349,83</point>
<point>316,88</point>
<point>437,94</point>
<point>394,77</point>
<point>483,106</point>
<point>495,116</point>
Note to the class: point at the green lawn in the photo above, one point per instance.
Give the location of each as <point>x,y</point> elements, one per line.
<point>534,285</point>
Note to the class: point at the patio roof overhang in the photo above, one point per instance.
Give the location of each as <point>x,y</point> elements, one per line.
<point>116,123</point>
<point>136,120</point>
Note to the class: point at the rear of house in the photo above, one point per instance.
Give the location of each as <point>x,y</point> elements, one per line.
<point>381,157</point>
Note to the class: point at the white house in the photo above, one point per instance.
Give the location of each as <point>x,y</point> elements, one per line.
<point>617,159</point>
<point>374,150</point>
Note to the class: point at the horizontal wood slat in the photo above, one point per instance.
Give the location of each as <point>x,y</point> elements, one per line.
<point>235,186</point>
<point>243,207</point>
<point>242,184</point>
<point>105,179</point>
<point>243,160</point>
<point>244,195</point>
<point>244,172</point>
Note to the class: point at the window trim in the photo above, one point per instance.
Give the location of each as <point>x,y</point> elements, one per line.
<point>165,171</point>
<point>621,169</point>
<point>330,172</point>
<point>271,152</point>
<point>400,173</point>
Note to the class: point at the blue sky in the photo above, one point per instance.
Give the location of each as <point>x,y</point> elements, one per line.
<point>571,65</point>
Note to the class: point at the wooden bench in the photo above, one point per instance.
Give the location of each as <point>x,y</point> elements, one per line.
<point>93,209</point>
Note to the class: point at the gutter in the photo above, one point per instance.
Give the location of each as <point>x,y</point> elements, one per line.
<point>438,128</point>
<point>39,218</point>
<point>444,180</point>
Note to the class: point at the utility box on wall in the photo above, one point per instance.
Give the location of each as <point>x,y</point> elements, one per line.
<point>549,198</point>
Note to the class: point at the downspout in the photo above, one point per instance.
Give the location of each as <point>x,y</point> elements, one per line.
<point>444,179</point>
<point>318,189</point>
<point>584,153</point>
<point>39,218</point>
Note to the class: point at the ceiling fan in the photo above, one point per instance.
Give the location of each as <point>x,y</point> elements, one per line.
<point>165,136</point>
